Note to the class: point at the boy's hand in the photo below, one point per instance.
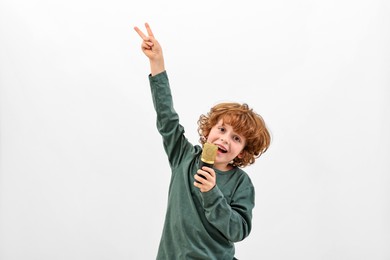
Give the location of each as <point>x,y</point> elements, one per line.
<point>205,184</point>
<point>150,45</point>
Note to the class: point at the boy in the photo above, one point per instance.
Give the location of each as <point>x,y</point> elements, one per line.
<point>205,216</point>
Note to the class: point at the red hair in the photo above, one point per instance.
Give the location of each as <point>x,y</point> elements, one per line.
<point>245,122</point>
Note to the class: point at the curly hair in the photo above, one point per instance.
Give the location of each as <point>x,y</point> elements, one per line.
<point>245,122</point>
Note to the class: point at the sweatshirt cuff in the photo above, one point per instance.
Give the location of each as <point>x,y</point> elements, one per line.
<point>211,197</point>
<point>162,77</point>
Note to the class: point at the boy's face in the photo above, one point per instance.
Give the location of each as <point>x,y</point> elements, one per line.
<point>229,142</point>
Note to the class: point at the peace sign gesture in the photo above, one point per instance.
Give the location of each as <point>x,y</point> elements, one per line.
<point>150,45</point>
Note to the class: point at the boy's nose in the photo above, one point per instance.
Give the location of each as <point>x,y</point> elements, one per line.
<point>224,140</point>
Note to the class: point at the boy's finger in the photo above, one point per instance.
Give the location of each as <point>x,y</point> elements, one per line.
<point>198,180</point>
<point>197,184</point>
<point>141,34</point>
<point>150,33</point>
<point>146,47</point>
<point>208,170</point>
<point>203,172</point>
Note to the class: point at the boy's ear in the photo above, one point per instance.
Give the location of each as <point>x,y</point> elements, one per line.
<point>241,154</point>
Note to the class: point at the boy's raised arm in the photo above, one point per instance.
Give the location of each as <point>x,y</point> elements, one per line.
<point>152,49</point>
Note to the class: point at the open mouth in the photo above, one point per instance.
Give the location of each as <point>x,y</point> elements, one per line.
<point>221,149</point>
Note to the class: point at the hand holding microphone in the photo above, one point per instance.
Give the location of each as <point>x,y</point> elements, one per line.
<point>207,159</point>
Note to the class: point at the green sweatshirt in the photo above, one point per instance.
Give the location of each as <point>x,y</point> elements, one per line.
<point>198,225</point>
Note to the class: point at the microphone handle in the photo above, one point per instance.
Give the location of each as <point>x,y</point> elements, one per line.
<point>201,164</point>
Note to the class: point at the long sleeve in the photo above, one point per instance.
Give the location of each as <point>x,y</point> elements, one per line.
<point>233,219</point>
<point>175,143</point>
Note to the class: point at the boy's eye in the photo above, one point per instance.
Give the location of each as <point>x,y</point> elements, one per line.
<point>222,129</point>
<point>237,138</point>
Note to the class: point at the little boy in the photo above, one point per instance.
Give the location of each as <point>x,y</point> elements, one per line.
<point>205,216</point>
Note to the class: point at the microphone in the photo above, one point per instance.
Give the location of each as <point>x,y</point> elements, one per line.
<point>208,156</point>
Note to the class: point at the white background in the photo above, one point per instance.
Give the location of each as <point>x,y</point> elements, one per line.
<point>83,171</point>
